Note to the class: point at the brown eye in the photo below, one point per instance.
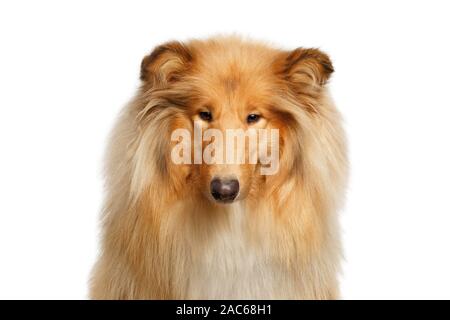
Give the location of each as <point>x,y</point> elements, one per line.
<point>252,118</point>
<point>205,115</point>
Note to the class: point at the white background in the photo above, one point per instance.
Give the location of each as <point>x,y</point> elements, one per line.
<point>67,67</point>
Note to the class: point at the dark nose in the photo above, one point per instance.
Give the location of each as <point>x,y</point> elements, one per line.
<point>224,190</point>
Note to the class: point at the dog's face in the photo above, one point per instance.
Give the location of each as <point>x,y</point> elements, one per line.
<point>228,85</point>
<point>228,104</point>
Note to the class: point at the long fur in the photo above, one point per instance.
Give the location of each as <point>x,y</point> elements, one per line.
<point>162,238</point>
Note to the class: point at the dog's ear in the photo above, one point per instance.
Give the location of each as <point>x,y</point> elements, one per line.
<point>306,68</point>
<point>165,64</point>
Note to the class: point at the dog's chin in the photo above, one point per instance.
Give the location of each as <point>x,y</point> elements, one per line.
<point>224,201</point>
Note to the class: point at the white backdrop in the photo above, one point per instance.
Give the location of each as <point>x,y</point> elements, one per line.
<point>67,67</point>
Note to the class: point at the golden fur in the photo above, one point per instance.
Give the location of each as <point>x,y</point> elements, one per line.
<point>164,238</point>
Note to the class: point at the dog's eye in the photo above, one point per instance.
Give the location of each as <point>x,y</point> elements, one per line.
<point>205,115</point>
<point>252,118</point>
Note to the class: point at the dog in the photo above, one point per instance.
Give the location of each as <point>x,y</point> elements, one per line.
<point>197,230</point>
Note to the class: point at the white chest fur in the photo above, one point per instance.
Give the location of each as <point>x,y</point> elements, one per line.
<point>229,266</point>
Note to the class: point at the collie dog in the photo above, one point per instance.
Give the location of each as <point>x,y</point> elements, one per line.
<point>202,230</point>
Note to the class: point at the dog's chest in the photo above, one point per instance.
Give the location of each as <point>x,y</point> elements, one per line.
<point>230,267</point>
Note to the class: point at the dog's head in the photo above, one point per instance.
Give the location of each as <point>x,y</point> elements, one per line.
<point>224,90</point>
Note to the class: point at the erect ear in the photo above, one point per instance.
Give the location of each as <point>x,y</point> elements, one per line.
<point>166,63</point>
<point>307,68</point>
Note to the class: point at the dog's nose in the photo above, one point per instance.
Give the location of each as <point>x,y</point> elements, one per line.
<point>224,190</point>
